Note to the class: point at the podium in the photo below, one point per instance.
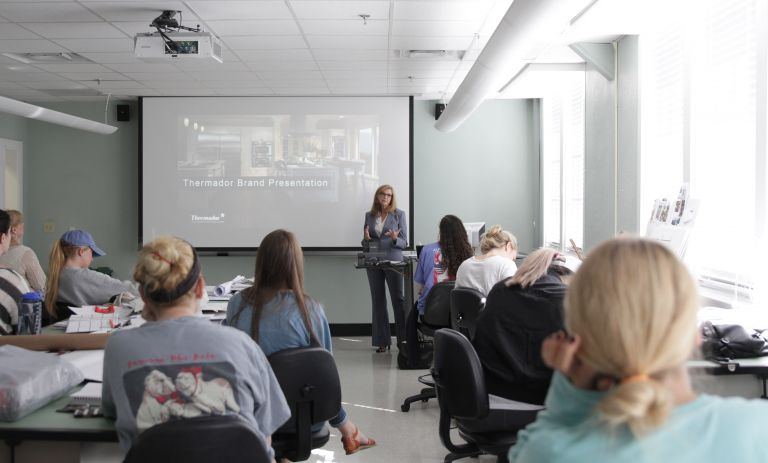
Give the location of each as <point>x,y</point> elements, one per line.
<point>404,267</point>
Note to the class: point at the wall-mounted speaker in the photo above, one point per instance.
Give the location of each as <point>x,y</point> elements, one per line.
<point>123,113</point>
<point>439,108</point>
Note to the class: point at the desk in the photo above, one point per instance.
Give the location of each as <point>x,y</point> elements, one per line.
<point>757,367</point>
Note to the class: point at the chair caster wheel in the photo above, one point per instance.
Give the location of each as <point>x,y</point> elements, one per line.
<point>405,407</point>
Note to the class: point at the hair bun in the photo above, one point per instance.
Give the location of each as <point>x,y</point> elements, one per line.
<point>494,231</point>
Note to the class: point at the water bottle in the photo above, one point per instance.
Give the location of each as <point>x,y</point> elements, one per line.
<point>30,314</point>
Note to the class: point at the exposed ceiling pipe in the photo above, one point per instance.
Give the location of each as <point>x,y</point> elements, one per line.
<point>19,108</point>
<point>527,27</point>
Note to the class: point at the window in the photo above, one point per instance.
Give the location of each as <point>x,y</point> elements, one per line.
<point>563,162</point>
<point>700,116</point>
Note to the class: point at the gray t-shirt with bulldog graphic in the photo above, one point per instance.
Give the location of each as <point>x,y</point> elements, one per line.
<point>187,367</point>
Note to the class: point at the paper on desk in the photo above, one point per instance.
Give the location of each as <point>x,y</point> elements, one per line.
<point>90,311</point>
<point>226,287</point>
<point>90,362</point>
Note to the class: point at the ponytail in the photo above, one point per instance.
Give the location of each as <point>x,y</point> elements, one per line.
<point>641,405</point>
<point>55,263</point>
<point>533,267</point>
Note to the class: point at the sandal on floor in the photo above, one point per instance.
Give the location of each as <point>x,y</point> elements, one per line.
<point>382,349</point>
<point>351,444</point>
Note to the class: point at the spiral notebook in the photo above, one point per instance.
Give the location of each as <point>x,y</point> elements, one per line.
<point>90,394</point>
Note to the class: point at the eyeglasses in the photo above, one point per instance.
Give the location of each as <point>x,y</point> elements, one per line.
<point>387,195</point>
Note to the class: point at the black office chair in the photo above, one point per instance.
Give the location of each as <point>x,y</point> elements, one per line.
<point>200,440</point>
<point>462,396</point>
<point>466,304</point>
<point>437,315</point>
<point>310,382</point>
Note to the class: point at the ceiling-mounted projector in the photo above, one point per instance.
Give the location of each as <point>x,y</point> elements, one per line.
<point>157,46</point>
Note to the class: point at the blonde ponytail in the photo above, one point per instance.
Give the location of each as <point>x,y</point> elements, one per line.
<point>55,263</point>
<point>533,267</point>
<point>634,306</point>
<point>642,406</point>
<point>495,238</point>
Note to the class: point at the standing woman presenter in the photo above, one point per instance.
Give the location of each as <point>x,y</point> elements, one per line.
<point>385,224</point>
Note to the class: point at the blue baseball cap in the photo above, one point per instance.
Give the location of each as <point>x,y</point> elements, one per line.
<point>82,238</point>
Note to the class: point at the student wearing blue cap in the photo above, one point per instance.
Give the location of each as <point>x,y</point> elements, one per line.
<point>71,282</point>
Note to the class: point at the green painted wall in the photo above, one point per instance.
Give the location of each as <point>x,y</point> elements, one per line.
<point>487,170</point>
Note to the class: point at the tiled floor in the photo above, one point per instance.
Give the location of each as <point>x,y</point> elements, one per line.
<point>373,388</point>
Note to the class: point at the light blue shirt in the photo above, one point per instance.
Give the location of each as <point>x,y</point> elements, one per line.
<point>281,326</point>
<point>707,429</point>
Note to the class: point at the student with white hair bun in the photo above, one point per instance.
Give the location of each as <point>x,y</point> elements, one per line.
<point>498,249</point>
<point>622,392</point>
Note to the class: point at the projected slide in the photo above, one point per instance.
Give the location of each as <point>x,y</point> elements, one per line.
<point>223,172</point>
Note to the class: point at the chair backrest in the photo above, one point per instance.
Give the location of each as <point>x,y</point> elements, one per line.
<point>197,440</point>
<point>310,382</point>
<point>437,307</point>
<point>458,376</point>
<point>466,304</point>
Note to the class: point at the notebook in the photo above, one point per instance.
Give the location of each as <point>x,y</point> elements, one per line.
<point>90,394</point>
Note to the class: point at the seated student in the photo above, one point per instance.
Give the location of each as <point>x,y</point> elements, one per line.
<point>497,262</point>
<point>519,314</point>
<point>440,261</point>
<point>70,280</point>
<point>622,392</point>
<point>178,365</point>
<point>278,315</point>
<point>22,258</point>
<point>12,284</point>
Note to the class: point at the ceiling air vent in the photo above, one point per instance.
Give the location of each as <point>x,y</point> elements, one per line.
<point>437,55</point>
<point>48,58</point>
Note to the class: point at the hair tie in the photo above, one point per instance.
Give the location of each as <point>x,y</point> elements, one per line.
<point>638,378</point>
<point>157,254</point>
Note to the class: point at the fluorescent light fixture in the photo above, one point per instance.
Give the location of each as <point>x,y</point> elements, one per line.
<point>19,108</point>
<point>527,28</point>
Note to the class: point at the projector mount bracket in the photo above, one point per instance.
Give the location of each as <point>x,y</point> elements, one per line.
<point>166,22</point>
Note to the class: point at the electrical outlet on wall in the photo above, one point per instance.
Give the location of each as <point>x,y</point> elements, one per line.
<point>48,227</point>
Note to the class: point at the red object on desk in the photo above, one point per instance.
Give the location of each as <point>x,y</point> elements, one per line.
<point>108,309</point>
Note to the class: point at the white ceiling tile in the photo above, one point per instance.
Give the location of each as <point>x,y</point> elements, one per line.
<point>93,75</point>
<point>30,77</point>
<point>113,58</point>
<point>29,46</point>
<point>436,28</point>
<point>46,12</point>
<point>350,55</point>
<point>217,84</point>
<point>209,65</point>
<point>108,85</point>
<point>188,92</point>
<point>10,85</point>
<point>14,31</point>
<point>301,91</point>
<point>354,74</point>
<point>296,84</point>
<point>266,42</point>
<point>135,92</point>
<point>244,91</point>
<point>283,66</point>
<point>408,63</point>
<point>279,75</point>
<point>142,67</point>
<point>254,27</point>
<point>144,11</point>
<point>101,45</point>
<point>353,65</point>
<point>11,65</point>
<point>85,98</point>
<point>363,91</point>
<point>249,56</point>
<point>431,43</point>
<point>82,30</point>
<point>421,74</point>
<point>467,10</point>
<point>225,76</point>
<point>43,99</point>
<point>20,94</point>
<point>357,83</point>
<point>133,28</point>
<point>72,67</point>
<point>343,27</point>
<point>166,84</point>
<point>166,76</point>
<point>356,42</point>
<point>312,9</point>
<point>268,9</point>
<point>61,84</point>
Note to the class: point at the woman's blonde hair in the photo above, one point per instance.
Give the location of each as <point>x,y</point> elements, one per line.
<point>496,237</point>
<point>533,267</point>
<point>162,267</point>
<point>376,208</point>
<point>60,252</point>
<point>16,218</point>
<point>634,305</point>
